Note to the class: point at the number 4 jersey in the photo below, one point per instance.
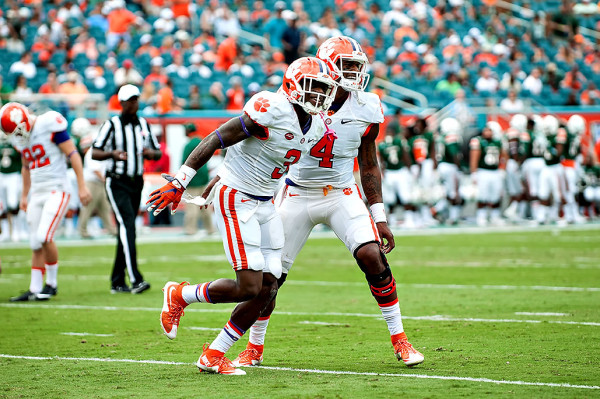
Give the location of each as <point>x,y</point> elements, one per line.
<point>47,163</point>
<point>255,165</point>
<point>331,162</point>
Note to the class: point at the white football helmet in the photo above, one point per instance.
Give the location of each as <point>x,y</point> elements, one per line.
<point>576,125</point>
<point>496,129</point>
<point>519,122</point>
<point>450,126</point>
<point>80,127</point>
<point>538,121</point>
<point>550,125</point>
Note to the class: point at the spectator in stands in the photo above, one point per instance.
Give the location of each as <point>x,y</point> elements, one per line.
<point>51,84</point>
<point>225,23</point>
<point>120,20</point>
<point>166,102</point>
<point>14,44</point>
<point>84,44</point>
<point>351,30</point>
<point>24,66</point>
<point>486,82</point>
<point>148,92</point>
<point>573,79</point>
<point>533,82</point>
<point>194,100</point>
<point>177,68</point>
<point>259,15</point>
<point>74,87</point>
<point>197,66</point>
<point>226,53</point>
<point>510,81</point>
<point>512,104</point>
<point>208,16</point>
<point>127,74</point>
<point>156,75</point>
<point>591,95</point>
<point>146,47</point>
<point>564,23</point>
<point>113,102</point>
<point>235,95</point>
<point>216,95</point>
<point>291,39</point>
<point>462,111</point>
<point>274,28</point>
<point>5,91</point>
<point>395,17</point>
<point>97,17</point>
<point>111,65</point>
<point>22,90</point>
<point>585,7</point>
<point>449,85</point>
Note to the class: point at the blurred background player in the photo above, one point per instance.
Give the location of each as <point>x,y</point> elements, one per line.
<point>572,163</point>
<point>195,188</point>
<point>551,183</point>
<point>424,164</point>
<point>321,188</point>
<point>44,144</point>
<point>78,131</point>
<point>532,149</point>
<point>514,186</point>
<point>449,167</point>
<point>94,173</point>
<point>274,132</point>
<point>484,162</point>
<point>13,224</point>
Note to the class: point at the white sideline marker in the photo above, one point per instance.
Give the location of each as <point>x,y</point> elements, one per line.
<point>84,334</point>
<point>541,314</point>
<point>328,314</point>
<point>315,371</point>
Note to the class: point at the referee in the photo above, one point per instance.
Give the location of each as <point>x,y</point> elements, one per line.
<point>125,141</point>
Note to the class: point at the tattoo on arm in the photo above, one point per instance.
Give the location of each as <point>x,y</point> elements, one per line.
<point>370,174</point>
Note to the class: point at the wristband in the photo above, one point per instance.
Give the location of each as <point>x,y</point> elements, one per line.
<point>185,175</point>
<point>378,212</point>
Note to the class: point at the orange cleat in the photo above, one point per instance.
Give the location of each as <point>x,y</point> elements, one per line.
<point>248,357</point>
<point>405,351</point>
<point>173,305</point>
<point>215,361</point>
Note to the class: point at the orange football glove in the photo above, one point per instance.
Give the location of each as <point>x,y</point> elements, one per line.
<point>170,193</point>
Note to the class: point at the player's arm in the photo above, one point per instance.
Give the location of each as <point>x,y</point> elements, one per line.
<point>405,152</point>
<point>432,152</point>
<point>474,155</point>
<point>370,176</point>
<point>231,132</point>
<point>26,179</point>
<point>68,148</point>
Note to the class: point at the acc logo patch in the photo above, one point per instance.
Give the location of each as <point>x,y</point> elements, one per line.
<point>261,104</point>
<point>289,136</point>
<point>328,121</point>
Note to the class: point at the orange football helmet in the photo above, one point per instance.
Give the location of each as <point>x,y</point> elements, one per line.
<point>302,81</point>
<point>337,49</point>
<point>15,119</point>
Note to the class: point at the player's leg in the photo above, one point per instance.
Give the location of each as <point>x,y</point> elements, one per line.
<point>297,224</point>
<point>544,194</point>
<point>495,196</point>
<point>353,224</point>
<point>406,188</point>
<point>483,187</point>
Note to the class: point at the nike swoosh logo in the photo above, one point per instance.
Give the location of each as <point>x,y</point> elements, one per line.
<point>246,200</point>
<point>170,294</point>
<point>344,121</point>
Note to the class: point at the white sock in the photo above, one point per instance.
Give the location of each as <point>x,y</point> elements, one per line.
<point>51,274</point>
<point>540,213</point>
<point>454,212</point>
<point>259,330</point>
<point>393,318</point>
<point>481,215</point>
<point>5,227</point>
<point>495,213</point>
<point>522,209</point>
<point>196,293</point>
<point>69,227</point>
<point>37,280</point>
<point>227,337</point>
<point>409,217</point>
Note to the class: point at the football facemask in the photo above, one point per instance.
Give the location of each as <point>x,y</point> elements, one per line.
<point>308,83</point>
<point>348,62</point>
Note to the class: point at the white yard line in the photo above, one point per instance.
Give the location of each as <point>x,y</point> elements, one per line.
<point>84,334</point>
<point>541,314</point>
<point>204,328</point>
<point>315,371</point>
<point>324,314</point>
<point>321,323</point>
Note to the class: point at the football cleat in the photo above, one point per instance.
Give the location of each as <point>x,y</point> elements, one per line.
<point>27,296</point>
<point>215,361</point>
<point>140,287</point>
<point>248,357</point>
<point>405,351</point>
<point>47,292</point>
<point>173,305</point>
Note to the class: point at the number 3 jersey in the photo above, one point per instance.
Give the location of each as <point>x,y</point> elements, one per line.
<point>255,165</point>
<point>331,162</point>
<point>47,163</point>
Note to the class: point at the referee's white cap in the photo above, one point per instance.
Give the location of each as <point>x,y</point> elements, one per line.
<point>128,91</point>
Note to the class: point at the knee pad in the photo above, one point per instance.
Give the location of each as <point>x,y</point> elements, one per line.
<point>373,279</point>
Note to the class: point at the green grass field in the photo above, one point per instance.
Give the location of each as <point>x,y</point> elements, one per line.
<point>495,314</point>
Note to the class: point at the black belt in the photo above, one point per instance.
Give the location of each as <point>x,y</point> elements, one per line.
<point>123,177</point>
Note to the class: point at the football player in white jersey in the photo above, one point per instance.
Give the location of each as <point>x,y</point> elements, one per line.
<point>320,188</point>
<point>44,145</point>
<point>275,132</point>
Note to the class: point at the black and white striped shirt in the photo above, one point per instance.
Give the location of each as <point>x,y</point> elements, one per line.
<point>132,137</point>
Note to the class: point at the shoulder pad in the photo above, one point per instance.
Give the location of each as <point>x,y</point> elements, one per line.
<point>371,108</point>
<point>53,122</point>
<point>268,109</point>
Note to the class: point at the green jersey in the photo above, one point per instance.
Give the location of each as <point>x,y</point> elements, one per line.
<point>392,152</point>
<point>449,147</point>
<point>551,155</point>
<point>419,147</point>
<point>490,152</point>
<point>10,159</point>
<point>571,146</point>
<point>533,145</point>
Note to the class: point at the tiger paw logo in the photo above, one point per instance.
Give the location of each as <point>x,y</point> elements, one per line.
<point>261,104</point>
<point>347,191</point>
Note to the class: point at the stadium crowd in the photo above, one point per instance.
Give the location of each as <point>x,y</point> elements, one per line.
<point>216,54</point>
